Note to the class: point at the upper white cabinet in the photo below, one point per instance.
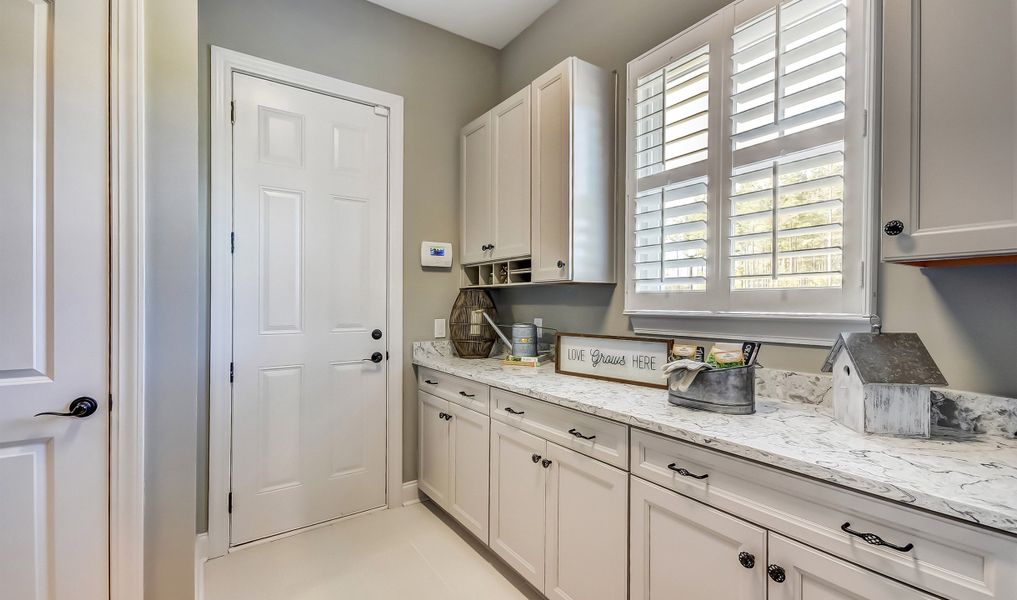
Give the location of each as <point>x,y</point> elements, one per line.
<point>949,178</point>
<point>572,174</point>
<point>475,187</point>
<point>546,155</point>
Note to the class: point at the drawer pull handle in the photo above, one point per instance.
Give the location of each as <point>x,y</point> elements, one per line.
<point>579,435</point>
<point>776,573</point>
<point>747,560</point>
<point>875,540</point>
<point>513,411</point>
<point>465,395</point>
<point>535,458</point>
<point>684,473</point>
<point>546,463</point>
<point>429,382</point>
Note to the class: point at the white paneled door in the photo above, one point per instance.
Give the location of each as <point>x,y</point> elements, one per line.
<point>54,311</point>
<point>309,308</point>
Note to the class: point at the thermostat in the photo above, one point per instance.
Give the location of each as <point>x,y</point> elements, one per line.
<point>436,254</point>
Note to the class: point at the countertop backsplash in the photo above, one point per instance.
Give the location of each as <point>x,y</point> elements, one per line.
<point>953,410</point>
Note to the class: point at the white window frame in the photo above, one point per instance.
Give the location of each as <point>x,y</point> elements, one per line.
<point>769,318</point>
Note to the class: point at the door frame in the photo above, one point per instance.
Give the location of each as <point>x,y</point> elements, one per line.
<point>126,299</point>
<point>224,64</point>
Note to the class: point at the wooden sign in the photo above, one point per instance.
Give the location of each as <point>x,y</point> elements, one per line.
<point>612,358</point>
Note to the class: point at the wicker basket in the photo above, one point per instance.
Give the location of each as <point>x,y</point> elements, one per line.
<point>471,334</point>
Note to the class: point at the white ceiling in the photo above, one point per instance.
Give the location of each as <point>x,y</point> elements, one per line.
<point>491,22</point>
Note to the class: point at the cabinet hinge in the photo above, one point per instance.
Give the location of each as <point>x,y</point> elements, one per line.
<point>229,503</point>
<point>233,245</point>
<point>231,372</point>
<point>233,113</point>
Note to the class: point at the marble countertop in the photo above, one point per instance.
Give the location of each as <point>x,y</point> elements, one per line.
<point>968,477</point>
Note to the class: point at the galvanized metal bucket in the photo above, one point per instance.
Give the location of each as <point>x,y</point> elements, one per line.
<point>730,391</point>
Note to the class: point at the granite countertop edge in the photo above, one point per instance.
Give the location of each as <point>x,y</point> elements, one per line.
<point>970,479</point>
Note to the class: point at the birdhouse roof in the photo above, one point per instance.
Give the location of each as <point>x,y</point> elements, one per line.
<point>894,358</point>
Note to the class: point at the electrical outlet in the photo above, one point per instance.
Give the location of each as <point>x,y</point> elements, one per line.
<point>439,328</point>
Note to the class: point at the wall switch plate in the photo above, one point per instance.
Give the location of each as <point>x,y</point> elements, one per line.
<point>439,328</point>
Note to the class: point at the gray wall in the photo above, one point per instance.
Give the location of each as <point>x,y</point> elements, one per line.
<point>172,382</point>
<point>967,316</point>
<point>445,80</point>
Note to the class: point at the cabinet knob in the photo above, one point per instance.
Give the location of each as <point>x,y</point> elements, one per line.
<point>484,247</point>
<point>776,573</point>
<point>747,560</point>
<point>535,458</point>
<point>561,264</point>
<point>545,463</point>
<point>894,227</point>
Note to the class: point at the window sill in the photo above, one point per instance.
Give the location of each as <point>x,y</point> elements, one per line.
<point>817,330</point>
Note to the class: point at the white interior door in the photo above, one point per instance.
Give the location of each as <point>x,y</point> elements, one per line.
<point>309,292</point>
<point>54,312</point>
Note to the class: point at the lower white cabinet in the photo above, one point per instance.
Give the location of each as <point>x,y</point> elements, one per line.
<point>683,549</point>
<point>803,573</point>
<point>557,516</point>
<point>454,465</point>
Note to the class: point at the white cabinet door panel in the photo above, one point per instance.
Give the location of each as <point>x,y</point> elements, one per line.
<point>518,483</point>
<point>475,190</point>
<point>812,575</point>
<point>683,549</point>
<point>586,528</point>
<point>510,185</point>
<point>433,471</point>
<point>470,468</point>
<point>551,174</point>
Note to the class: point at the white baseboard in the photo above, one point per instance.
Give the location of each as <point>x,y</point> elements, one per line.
<point>410,493</point>
<point>200,558</point>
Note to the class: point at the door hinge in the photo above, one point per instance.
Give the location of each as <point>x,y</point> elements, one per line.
<point>865,122</point>
<point>233,245</point>
<point>229,503</point>
<point>386,355</point>
<point>233,113</point>
<point>111,402</point>
<point>231,372</point>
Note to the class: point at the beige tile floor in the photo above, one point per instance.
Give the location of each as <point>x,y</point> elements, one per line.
<point>410,552</point>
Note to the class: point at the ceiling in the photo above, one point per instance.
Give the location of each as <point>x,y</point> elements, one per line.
<point>491,22</point>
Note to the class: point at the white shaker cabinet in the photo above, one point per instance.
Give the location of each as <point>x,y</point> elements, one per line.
<point>469,467</point>
<point>495,182</point>
<point>949,131</point>
<point>683,549</point>
<point>798,572</point>
<point>586,528</point>
<point>572,174</point>
<point>453,468</point>
<point>475,190</point>
<point>518,487</point>
<point>433,467</point>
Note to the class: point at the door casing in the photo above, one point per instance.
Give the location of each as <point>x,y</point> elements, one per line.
<point>224,64</point>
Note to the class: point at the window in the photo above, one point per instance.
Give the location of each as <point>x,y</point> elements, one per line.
<point>749,179</point>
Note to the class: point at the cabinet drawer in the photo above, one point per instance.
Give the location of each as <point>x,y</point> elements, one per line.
<point>949,558</point>
<point>472,395</point>
<point>602,439</point>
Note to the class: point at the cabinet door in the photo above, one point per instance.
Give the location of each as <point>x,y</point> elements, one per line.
<point>475,186</point>
<point>949,129</point>
<point>510,186</point>
<point>551,174</point>
<point>469,486</point>
<point>586,528</point>
<point>518,484</point>
<point>433,475</point>
<point>812,575</point>
<point>683,549</point>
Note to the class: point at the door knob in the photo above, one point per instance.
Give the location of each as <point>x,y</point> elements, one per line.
<point>80,408</point>
<point>376,334</point>
<point>377,357</point>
